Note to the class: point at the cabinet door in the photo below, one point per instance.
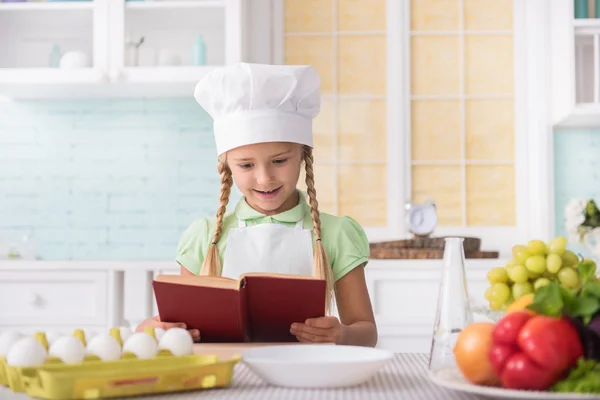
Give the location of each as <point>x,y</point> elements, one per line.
<point>165,47</point>
<point>51,45</point>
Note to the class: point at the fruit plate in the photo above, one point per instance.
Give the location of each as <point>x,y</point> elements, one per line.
<point>452,378</point>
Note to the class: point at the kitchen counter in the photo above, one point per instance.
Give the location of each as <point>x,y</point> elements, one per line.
<point>405,377</point>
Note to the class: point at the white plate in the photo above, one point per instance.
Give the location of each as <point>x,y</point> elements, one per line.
<point>452,378</point>
<point>315,366</point>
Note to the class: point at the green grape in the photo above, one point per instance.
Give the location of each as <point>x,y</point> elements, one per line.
<point>540,282</point>
<point>518,274</point>
<point>488,294</point>
<point>553,263</point>
<point>521,289</point>
<point>499,293</point>
<point>520,253</point>
<point>536,264</point>
<point>557,246</point>
<point>497,275</point>
<point>570,259</point>
<point>510,262</point>
<point>568,277</point>
<point>495,306</point>
<point>536,247</point>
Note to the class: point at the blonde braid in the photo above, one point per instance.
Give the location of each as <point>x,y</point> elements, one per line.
<point>321,267</point>
<point>212,265</point>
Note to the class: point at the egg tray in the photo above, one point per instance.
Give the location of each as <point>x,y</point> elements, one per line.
<point>128,376</point>
<point>122,378</point>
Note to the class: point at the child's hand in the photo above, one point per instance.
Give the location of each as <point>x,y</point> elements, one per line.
<point>321,330</point>
<point>155,322</point>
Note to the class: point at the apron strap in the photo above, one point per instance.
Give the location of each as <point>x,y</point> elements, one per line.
<point>242,223</point>
<point>299,224</point>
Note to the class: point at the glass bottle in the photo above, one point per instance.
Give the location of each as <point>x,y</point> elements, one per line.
<point>453,307</point>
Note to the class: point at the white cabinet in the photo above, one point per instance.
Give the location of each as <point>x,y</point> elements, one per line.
<point>115,48</point>
<point>97,295</point>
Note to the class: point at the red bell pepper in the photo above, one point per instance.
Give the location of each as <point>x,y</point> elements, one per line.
<point>532,352</point>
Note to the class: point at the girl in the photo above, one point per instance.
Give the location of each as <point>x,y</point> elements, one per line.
<point>263,129</point>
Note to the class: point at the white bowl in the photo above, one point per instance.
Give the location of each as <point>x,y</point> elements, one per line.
<point>315,366</point>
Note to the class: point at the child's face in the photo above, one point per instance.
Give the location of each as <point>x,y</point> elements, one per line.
<point>267,174</point>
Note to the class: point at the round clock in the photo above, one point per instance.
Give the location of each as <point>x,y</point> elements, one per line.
<point>421,219</point>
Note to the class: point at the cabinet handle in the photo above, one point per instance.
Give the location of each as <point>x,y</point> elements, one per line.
<point>32,298</point>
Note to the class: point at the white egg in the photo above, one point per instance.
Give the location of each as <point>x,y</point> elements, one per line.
<point>105,347</point>
<point>7,339</point>
<point>69,349</point>
<point>178,341</point>
<point>27,352</point>
<point>159,332</point>
<point>125,333</point>
<point>52,336</point>
<point>141,344</point>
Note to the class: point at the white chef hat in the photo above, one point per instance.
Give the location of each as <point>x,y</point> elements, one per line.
<point>256,103</point>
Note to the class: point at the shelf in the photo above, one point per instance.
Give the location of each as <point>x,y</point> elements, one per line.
<point>47,6</point>
<point>586,26</point>
<point>163,74</point>
<point>584,115</point>
<point>150,5</point>
<point>41,83</point>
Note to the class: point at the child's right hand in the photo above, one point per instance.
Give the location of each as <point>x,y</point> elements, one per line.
<point>155,322</point>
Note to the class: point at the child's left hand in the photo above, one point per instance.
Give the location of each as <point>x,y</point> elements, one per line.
<point>322,330</point>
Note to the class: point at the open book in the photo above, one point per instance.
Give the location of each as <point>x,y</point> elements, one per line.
<point>257,307</point>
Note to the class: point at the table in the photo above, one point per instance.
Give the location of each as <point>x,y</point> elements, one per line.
<point>405,377</point>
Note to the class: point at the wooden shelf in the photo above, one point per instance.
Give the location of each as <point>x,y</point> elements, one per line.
<point>171,5</point>
<point>47,6</point>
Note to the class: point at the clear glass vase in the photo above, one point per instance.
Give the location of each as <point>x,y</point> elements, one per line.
<point>453,307</point>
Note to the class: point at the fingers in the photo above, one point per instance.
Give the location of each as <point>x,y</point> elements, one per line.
<point>195,334</point>
<point>310,338</point>
<point>302,328</point>
<point>169,325</point>
<point>323,322</point>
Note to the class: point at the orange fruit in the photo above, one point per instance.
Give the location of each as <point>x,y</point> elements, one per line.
<point>471,352</point>
<point>520,304</point>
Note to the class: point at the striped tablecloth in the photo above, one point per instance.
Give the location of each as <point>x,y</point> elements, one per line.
<point>403,378</point>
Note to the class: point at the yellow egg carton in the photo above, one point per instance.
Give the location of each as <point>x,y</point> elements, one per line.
<point>129,376</point>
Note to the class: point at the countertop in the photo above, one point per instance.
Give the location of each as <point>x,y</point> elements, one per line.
<point>405,377</point>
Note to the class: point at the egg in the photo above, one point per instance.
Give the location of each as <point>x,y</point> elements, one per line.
<point>7,339</point>
<point>159,332</point>
<point>178,341</point>
<point>141,344</point>
<point>52,336</point>
<point>125,333</point>
<point>105,347</point>
<point>69,349</point>
<point>26,352</point>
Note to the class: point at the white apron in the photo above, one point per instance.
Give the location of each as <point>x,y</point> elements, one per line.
<point>271,248</point>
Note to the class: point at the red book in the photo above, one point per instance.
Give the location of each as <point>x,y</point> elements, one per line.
<point>257,307</point>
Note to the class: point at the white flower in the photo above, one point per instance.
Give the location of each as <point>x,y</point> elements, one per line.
<point>574,217</point>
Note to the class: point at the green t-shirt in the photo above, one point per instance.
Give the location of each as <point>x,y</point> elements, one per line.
<point>345,241</point>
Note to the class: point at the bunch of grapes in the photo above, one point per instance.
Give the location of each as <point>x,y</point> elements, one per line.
<point>532,267</point>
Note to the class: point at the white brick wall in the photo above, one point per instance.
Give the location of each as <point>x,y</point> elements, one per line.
<point>105,179</point>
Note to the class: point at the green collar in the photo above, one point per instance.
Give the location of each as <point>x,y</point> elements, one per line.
<point>244,212</point>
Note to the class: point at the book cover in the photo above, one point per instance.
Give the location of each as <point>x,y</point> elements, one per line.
<point>255,308</point>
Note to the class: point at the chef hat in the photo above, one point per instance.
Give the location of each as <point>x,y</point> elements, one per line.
<point>255,103</point>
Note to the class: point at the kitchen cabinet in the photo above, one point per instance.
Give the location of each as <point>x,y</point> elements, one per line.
<point>97,295</point>
<point>115,48</point>
<point>574,65</point>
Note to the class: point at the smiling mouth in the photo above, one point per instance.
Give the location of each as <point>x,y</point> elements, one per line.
<point>267,191</point>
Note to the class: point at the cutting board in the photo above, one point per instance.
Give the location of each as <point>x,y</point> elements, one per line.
<point>426,248</point>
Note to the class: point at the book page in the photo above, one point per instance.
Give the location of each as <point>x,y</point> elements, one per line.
<point>203,281</point>
<point>277,275</point>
